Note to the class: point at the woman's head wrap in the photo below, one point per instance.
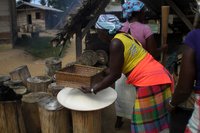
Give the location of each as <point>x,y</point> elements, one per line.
<point>131,6</point>
<point>108,22</point>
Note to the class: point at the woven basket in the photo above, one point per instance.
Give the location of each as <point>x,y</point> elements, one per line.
<point>79,75</point>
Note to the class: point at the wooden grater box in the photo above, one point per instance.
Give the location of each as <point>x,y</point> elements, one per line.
<point>79,75</point>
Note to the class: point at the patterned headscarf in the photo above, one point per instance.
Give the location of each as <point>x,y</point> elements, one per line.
<point>108,22</point>
<point>131,6</point>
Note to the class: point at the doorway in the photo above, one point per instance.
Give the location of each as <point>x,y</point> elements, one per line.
<point>29,19</point>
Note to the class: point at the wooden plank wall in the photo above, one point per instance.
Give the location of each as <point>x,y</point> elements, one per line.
<point>8,32</point>
<point>14,20</point>
<point>4,16</point>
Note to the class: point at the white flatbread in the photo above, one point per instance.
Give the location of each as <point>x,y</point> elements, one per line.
<point>75,99</point>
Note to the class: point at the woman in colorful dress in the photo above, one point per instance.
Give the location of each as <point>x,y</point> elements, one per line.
<point>152,81</point>
<point>134,13</point>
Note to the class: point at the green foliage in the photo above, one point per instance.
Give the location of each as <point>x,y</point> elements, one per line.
<point>18,3</point>
<point>59,4</point>
<point>43,2</point>
<point>38,47</point>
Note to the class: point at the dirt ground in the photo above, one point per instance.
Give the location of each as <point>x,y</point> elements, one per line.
<point>13,58</point>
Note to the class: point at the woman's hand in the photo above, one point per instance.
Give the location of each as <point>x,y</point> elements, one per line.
<point>88,90</point>
<point>85,89</point>
<point>170,107</point>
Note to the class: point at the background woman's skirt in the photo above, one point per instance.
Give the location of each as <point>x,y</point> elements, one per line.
<point>126,95</point>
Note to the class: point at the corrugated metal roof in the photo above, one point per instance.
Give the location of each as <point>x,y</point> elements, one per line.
<point>39,6</point>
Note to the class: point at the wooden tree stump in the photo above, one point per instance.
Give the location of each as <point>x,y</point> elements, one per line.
<point>30,111</point>
<point>54,88</point>
<point>11,117</point>
<point>20,73</point>
<point>53,117</point>
<point>38,83</point>
<point>52,65</point>
<point>86,121</point>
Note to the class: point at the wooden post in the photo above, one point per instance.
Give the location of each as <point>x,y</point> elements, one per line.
<point>165,16</point>
<point>11,117</point>
<point>38,83</point>
<point>53,117</point>
<point>20,73</point>
<point>86,121</point>
<point>30,111</point>
<point>86,108</point>
<point>196,19</point>
<point>78,42</point>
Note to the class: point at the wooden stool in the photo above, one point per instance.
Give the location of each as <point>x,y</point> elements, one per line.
<point>53,117</point>
<point>30,111</point>
<point>52,65</point>
<point>11,117</point>
<point>20,73</point>
<point>86,108</point>
<point>86,121</point>
<point>38,83</point>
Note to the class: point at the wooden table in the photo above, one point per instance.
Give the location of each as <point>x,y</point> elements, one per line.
<point>86,108</point>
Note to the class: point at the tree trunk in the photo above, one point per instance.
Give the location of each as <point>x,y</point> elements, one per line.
<point>30,111</point>
<point>20,73</point>
<point>86,121</point>
<point>38,83</point>
<point>53,117</point>
<point>11,117</point>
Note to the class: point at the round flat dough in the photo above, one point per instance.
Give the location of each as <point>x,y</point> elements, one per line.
<point>75,99</point>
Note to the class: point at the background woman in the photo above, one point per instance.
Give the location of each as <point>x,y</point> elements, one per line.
<point>134,13</point>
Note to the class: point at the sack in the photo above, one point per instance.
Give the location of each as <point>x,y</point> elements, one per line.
<point>8,94</point>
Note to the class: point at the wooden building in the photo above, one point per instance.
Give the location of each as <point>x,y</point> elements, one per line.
<point>37,17</point>
<point>8,23</point>
<point>186,13</point>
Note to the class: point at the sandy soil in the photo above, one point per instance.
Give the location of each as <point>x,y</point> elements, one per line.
<point>11,59</point>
